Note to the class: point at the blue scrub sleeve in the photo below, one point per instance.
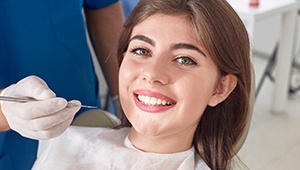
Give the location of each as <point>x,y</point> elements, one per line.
<point>97,4</point>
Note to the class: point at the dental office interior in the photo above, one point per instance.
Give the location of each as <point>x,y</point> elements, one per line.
<point>273,140</point>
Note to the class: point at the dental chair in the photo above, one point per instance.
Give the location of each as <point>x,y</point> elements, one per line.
<point>96,118</point>
<point>102,118</point>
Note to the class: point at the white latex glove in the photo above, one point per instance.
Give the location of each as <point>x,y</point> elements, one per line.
<point>43,119</point>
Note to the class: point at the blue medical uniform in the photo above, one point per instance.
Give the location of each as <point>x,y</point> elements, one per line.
<point>46,38</point>
<point>128,6</point>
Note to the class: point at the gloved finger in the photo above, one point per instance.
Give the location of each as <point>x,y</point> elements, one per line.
<point>48,133</point>
<point>55,130</point>
<point>74,104</point>
<point>34,109</point>
<point>31,86</point>
<point>18,124</point>
<point>47,122</point>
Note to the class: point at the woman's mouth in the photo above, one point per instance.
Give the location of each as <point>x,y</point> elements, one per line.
<point>152,101</point>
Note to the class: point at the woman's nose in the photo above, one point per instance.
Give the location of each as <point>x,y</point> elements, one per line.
<point>155,72</point>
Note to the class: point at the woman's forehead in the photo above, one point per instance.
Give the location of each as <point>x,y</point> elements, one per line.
<point>166,24</point>
<point>178,26</point>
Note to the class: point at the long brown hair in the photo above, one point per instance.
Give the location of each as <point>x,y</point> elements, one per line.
<point>222,33</point>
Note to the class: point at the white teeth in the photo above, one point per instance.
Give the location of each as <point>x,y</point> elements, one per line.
<point>153,101</point>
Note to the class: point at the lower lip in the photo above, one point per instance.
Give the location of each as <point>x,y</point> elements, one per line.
<point>153,109</point>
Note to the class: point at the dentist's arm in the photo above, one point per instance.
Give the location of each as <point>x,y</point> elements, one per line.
<point>104,26</point>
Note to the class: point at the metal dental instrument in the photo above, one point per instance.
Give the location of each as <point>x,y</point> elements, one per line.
<point>25,100</point>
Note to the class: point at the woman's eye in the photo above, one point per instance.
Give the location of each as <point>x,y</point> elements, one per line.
<point>140,51</point>
<point>186,61</point>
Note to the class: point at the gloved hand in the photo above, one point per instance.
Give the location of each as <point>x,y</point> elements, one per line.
<point>43,119</point>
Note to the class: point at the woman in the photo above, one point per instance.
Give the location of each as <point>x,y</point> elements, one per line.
<point>221,37</point>
<point>184,89</point>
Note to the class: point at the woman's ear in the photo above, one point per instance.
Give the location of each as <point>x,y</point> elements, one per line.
<point>223,89</point>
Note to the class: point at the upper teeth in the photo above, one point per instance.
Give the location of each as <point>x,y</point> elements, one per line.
<point>153,101</point>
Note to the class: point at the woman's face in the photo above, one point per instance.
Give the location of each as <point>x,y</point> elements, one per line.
<point>166,78</point>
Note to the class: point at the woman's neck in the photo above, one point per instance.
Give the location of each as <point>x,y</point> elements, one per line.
<point>161,144</point>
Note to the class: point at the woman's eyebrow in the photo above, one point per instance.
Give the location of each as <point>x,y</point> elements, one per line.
<point>187,46</point>
<point>173,47</point>
<point>143,38</point>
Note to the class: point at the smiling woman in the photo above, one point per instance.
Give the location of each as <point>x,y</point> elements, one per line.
<point>184,88</point>
<point>206,76</point>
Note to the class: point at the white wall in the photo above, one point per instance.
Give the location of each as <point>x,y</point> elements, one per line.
<point>267,34</point>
